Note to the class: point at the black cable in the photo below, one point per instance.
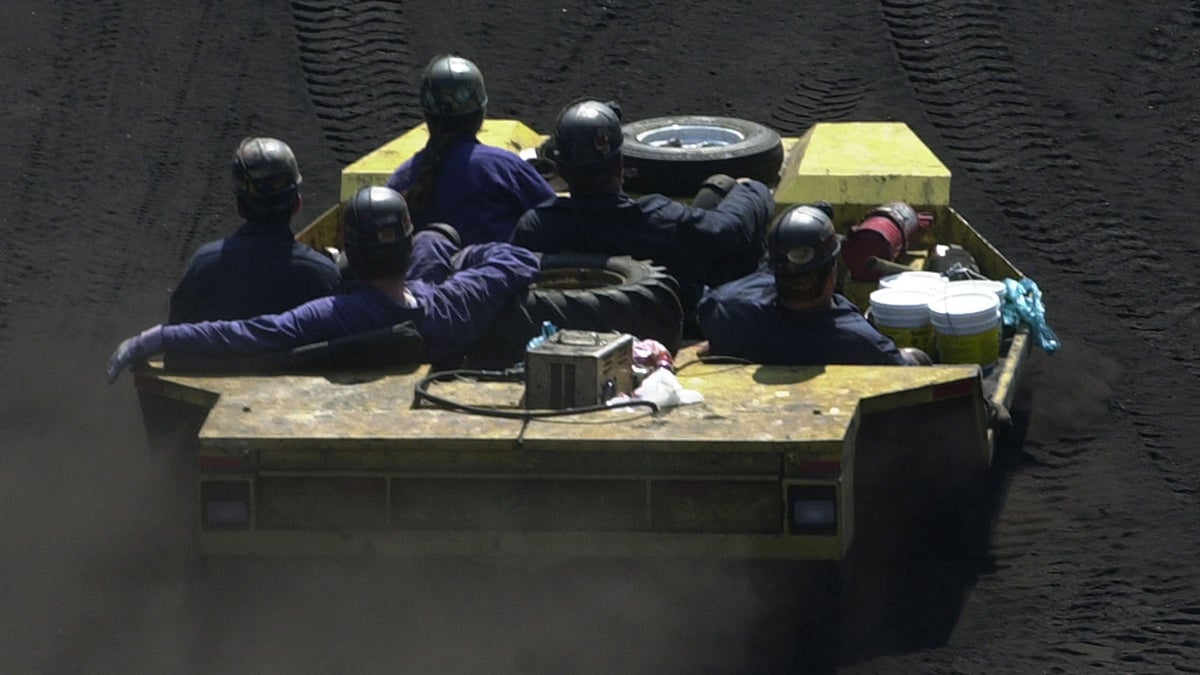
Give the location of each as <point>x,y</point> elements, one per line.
<point>719,360</point>
<point>421,393</point>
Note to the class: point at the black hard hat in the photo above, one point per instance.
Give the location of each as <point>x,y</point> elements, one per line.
<point>452,86</point>
<point>587,133</point>
<point>376,217</point>
<point>802,238</point>
<point>264,171</point>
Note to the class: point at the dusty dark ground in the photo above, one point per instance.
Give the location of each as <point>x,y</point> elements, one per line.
<point>1072,131</point>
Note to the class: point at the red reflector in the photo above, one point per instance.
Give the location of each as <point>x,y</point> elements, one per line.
<point>953,389</point>
<point>819,467</point>
<point>220,462</point>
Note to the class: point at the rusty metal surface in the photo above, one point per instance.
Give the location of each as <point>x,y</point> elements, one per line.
<point>745,407</point>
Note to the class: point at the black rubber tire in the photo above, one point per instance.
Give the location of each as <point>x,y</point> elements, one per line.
<point>586,292</point>
<point>740,148</point>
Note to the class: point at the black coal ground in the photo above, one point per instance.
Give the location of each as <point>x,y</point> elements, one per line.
<point>1071,130</point>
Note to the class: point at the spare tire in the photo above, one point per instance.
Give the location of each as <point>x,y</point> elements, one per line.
<point>586,292</point>
<point>673,155</point>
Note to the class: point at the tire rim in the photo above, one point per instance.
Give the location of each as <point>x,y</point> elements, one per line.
<point>690,136</point>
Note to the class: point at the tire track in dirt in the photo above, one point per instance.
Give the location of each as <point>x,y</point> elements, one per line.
<point>594,46</point>
<point>83,50</point>
<point>958,64</point>
<point>355,57</point>
<point>956,59</point>
<point>113,125</point>
<point>92,63</point>
<point>1166,61</point>
<point>362,59</point>
<point>583,26</point>
<point>587,44</point>
<point>164,169</point>
<point>829,98</point>
<point>1168,55</point>
<point>1063,542</point>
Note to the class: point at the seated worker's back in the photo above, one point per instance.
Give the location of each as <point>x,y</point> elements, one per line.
<point>743,319</point>
<point>788,313</point>
<point>478,189</point>
<point>461,293</point>
<point>261,268</point>
<point>698,246</point>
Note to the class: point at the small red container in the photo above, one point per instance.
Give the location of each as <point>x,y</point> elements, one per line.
<point>884,234</point>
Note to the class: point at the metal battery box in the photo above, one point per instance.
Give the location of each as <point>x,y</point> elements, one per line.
<point>574,368</point>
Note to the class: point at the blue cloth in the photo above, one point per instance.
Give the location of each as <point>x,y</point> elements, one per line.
<point>481,190</point>
<point>743,319</point>
<point>450,314</point>
<point>1023,305</point>
<point>698,247</point>
<point>260,269</point>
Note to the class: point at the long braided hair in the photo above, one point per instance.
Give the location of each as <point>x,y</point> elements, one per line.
<point>443,132</point>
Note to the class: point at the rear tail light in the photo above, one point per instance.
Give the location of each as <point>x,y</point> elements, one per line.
<point>819,469</point>
<point>225,504</point>
<point>219,463</point>
<point>812,509</point>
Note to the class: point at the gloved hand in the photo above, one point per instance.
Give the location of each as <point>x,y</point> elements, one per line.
<point>134,350</point>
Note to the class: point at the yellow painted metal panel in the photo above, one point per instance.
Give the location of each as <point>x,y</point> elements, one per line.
<point>862,164</point>
<point>322,232</point>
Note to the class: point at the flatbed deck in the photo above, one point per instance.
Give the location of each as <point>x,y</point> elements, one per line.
<point>782,404</point>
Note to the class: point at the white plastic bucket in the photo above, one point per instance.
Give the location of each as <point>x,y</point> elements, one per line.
<point>967,326</point>
<point>915,280</point>
<point>976,286</point>
<point>902,314</point>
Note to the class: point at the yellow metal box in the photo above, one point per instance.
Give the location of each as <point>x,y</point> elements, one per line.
<point>857,166</point>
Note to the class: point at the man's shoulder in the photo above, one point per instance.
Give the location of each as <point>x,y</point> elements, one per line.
<point>548,211</point>
<point>495,155</point>
<point>555,203</point>
<point>663,210</point>
<point>509,167</point>
<point>654,201</point>
<point>402,176</point>
<point>747,303</point>
<point>208,252</point>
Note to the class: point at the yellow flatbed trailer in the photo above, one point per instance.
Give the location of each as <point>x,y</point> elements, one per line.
<point>302,464</point>
<point>776,463</point>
